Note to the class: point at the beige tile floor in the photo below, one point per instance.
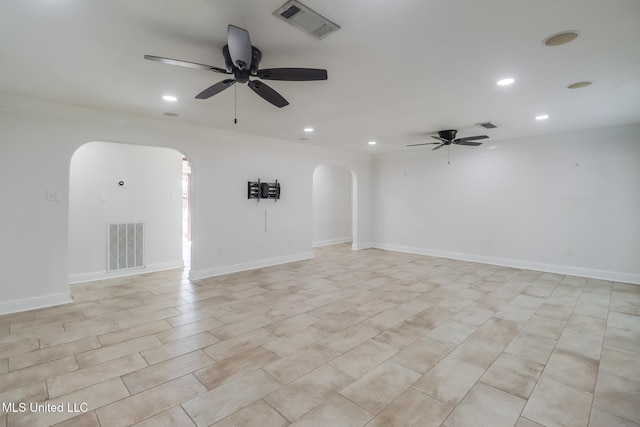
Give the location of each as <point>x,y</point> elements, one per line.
<point>350,338</point>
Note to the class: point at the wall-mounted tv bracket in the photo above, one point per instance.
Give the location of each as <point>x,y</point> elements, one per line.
<point>263,190</point>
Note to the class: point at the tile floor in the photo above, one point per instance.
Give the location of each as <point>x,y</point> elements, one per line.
<point>350,338</point>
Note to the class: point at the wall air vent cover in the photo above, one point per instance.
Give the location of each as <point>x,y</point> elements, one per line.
<point>305,19</point>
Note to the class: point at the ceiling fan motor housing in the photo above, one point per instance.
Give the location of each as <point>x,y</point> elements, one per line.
<point>449,135</point>
<point>242,76</point>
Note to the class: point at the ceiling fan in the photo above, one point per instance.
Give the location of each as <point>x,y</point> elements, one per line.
<point>448,137</point>
<point>242,61</point>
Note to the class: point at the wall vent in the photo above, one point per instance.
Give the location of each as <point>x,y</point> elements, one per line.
<point>125,246</point>
<point>305,19</point>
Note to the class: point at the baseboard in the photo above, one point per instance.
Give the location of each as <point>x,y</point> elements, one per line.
<point>515,263</point>
<point>361,246</point>
<point>35,303</point>
<point>235,268</point>
<point>102,275</point>
<point>329,242</point>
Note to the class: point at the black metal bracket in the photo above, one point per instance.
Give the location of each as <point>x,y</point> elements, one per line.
<point>263,190</point>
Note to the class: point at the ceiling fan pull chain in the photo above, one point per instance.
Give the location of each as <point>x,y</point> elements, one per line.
<point>235,104</point>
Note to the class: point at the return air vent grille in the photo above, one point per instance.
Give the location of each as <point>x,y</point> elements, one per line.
<point>305,19</point>
<point>125,246</point>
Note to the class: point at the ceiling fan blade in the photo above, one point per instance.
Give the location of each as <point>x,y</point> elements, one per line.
<point>469,143</point>
<point>268,94</point>
<point>438,138</point>
<point>470,138</point>
<point>215,89</point>
<point>239,47</point>
<point>423,143</point>
<point>439,146</point>
<point>293,74</point>
<point>185,64</point>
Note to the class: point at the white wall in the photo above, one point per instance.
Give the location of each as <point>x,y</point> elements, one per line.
<point>523,204</point>
<point>567,203</point>
<point>152,194</point>
<point>332,216</point>
<point>37,141</point>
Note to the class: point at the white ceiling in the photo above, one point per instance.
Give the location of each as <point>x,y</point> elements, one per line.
<point>398,70</point>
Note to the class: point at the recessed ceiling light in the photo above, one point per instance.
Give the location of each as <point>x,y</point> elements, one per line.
<point>542,117</point>
<point>308,130</point>
<point>561,38</point>
<point>372,143</point>
<point>505,82</point>
<point>579,85</point>
<point>170,98</point>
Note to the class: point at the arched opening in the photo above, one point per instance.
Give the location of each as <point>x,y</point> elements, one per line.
<point>334,206</point>
<point>126,205</point>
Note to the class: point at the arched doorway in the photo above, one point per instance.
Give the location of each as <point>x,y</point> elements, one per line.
<point>125,210</point>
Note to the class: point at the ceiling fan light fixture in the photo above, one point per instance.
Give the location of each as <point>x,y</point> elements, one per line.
<point>561,38</point>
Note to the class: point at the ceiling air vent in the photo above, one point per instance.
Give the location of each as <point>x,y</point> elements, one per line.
<point>300,16</point>
<point>487,125</point>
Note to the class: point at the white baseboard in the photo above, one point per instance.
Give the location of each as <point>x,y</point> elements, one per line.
<point>252,265</point>
<point>35,303</point>
<point>515,263</point>
<point>102,275</point>
<point>329,242</point>
<point>360,246</point>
